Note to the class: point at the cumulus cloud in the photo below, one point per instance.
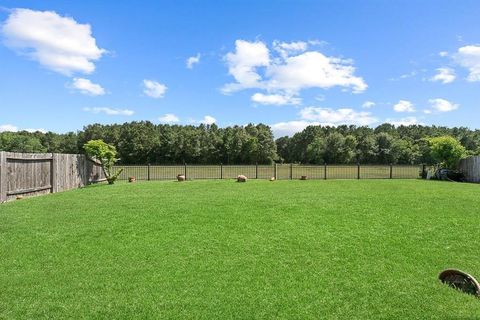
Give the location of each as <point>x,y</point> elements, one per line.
<point>469,57</point>
<point>8,128</point>
<point>404,106</point>
<point>314,116</point>
<point>442,105</point>
<point>154,89</point>
<point>338,116</point>
<point>275,99</point>
<point>313,70</point>
<point>87,87</point>
<point>12,128</point>
<point>407,121</point>
<point>192,61</point>
<point>58,43</point>
<point>243,64</point>
<point>444,75</point>
<point>208,120</point>
<point>110,111</point>
<point>168,118</point>
<point>289,128</point>
<point>288,69</point>
<point>368,104</point>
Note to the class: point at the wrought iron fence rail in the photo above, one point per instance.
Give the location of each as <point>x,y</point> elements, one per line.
<point>277,171</point>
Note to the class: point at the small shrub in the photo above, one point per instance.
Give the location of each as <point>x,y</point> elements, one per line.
<point>106,154</point>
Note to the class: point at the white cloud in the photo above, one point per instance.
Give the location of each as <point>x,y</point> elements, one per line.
<point>442,105</point>
<point>444,75</point>
<point>58,43</point>
<point>443,53</point>
<point>12,128</point>
<point>289,128</point>
<point>312,69</point>
<point>192,61</point>
<point>243,64</point>
<point>289,71</point>
<point>339,116</point>
<point>8,128</point>
<point>404,106</point>
<point>208,120</point>
<point>315,116</point>
<point>110,111</point>
<point>154,89</point>
<point>469,57</point>
<point>368,104</point>
<point>275,99</point>
<point>404,121</point>
<point>87,87</point>
<point>168,118</point>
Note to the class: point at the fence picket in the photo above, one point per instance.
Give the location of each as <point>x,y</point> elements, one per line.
<point>3,176</point>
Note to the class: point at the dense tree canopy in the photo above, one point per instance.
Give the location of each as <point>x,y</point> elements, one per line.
<point>144,142</point>
<point>384,144</point>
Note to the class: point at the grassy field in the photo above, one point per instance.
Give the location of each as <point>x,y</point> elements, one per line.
<point>335,249</point>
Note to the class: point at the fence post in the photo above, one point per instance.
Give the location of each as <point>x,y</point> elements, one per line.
<point>291,171</point>
<point>275,171</point>
<point>221,170</point>
<point>148,172</point>
<point>53,173</point>
<point>391,171</point>
<point>358,170</point>
<point>185,170</point>
<point>3,176</point>
<point>256,170</point>
<point>424,173</point>
<point>325,171</point>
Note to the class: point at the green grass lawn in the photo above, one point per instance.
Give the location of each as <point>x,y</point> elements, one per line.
<point>335,249</point>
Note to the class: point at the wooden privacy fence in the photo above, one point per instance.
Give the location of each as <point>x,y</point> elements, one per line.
<point>278,171</point>
<point>30,174</point>
<point>470,168</point>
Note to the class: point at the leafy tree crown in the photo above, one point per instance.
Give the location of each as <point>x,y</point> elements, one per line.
<point>446,151</point>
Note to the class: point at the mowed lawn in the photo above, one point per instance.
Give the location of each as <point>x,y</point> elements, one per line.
<point>335,249</point>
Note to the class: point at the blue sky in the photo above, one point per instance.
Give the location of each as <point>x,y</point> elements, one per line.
<point>65,64</point>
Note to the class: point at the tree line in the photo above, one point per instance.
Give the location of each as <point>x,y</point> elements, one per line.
<point>385,144</point>
<point>144,142</point>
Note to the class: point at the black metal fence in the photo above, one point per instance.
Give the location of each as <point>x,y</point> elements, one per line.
<point>277,171</point>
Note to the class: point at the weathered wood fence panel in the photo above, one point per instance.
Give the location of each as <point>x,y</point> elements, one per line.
<point>77,171</point>
<point>471,168</point>
<point>30,174</point>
